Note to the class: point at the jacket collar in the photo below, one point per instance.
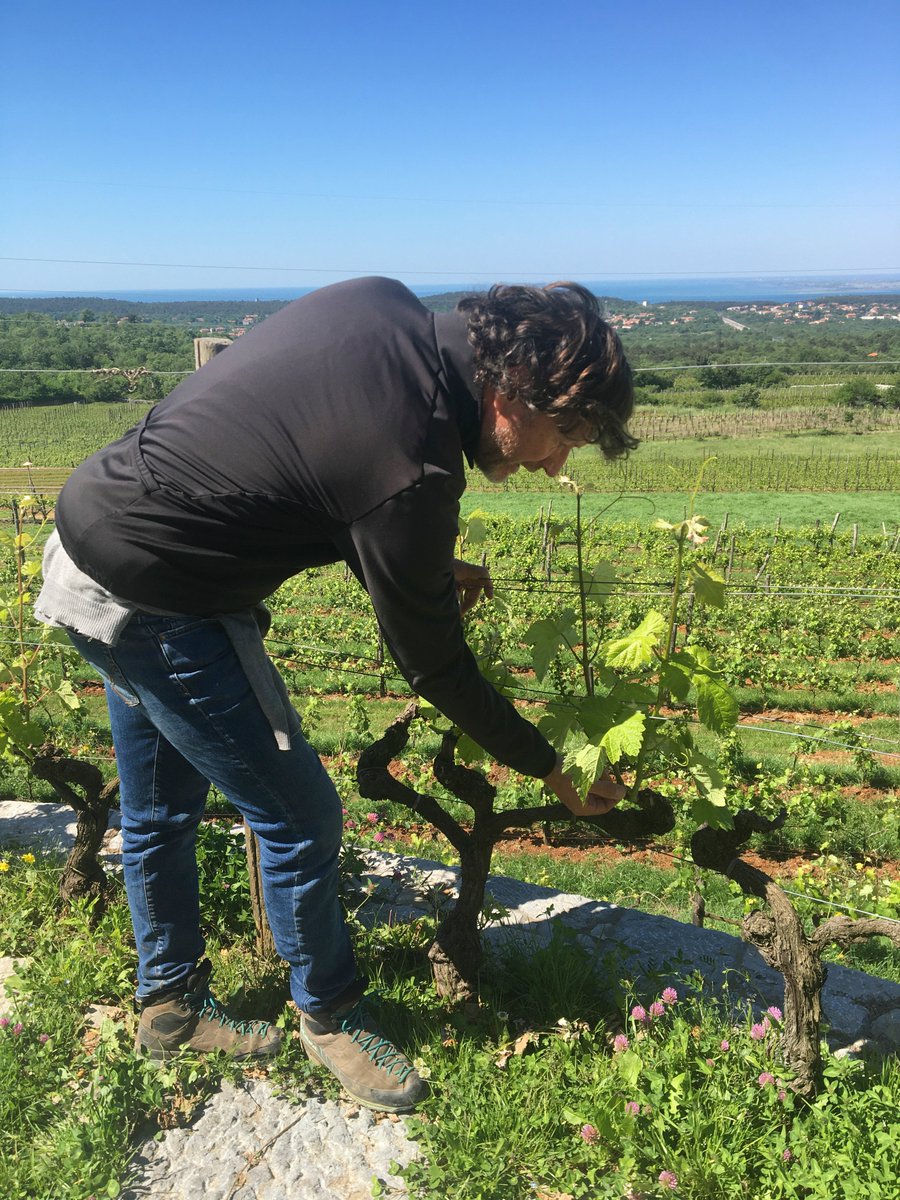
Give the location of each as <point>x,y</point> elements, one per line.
<point>458,359</point>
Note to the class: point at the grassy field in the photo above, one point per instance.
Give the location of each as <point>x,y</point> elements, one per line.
<point>869,510</point>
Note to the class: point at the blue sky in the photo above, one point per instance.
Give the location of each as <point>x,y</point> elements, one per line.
<point>442,142</point>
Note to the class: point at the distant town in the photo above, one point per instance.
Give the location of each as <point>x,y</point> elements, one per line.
<point>233,330</point>
<point>742,316</point>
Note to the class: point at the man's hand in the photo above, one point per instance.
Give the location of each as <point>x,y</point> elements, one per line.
<point>605,793</point>
<point>471,581</point>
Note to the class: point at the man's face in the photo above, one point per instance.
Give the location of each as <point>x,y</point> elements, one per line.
<point>514,435</point>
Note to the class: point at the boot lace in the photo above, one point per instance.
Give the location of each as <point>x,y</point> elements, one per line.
<point>383,1053</point>
<point>207,1008</point>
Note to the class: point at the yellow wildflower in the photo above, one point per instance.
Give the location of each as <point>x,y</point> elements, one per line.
<point>4,865</point>
<point>28,858</point>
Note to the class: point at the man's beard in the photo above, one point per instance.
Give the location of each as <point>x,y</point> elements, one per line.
<point>492,457</point>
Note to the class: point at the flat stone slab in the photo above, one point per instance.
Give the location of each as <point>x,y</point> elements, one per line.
<point>250,1143</point>
<point>860,1010</point>
<point>27,825</point>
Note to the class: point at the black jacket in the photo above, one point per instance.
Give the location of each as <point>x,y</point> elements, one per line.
<point>334,430</point>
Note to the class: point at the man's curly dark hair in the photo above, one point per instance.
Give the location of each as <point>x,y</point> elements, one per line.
<point>550,348</point>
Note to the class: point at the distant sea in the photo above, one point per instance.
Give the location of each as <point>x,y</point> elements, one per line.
<point>653,290</point>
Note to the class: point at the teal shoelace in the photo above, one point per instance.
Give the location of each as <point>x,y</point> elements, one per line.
<point>209,1010</point>
<point>384,1054</point>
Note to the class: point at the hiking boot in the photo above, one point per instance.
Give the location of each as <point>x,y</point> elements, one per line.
<point>371,1069</point>
<point>191,1020</point>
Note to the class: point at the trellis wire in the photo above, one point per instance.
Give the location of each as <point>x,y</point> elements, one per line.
<point>802,895</point>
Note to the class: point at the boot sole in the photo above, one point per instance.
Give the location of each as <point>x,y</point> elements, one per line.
<point>166,1054</point>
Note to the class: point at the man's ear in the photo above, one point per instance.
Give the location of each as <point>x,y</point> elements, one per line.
<point>500,402</point>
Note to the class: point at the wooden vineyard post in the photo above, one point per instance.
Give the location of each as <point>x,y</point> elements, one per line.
<point>206,348</point>
<point>265,942</point>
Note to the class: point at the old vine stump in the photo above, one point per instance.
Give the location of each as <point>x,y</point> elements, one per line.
<point>80,785</point>
<point>265,941</point>
<point>778,934</point>
<point>456,953</point>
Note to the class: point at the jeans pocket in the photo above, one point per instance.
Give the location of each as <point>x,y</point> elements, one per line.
<point>99,655</point>
<point>202,664</point>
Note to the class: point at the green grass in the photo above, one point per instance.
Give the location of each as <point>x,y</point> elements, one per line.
<point>778,444</point>
<point>868,510</point>
<point>529,1095</point>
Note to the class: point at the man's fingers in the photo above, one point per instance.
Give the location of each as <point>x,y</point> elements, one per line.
<point>608,789</point>
<point>603,796</point>
<point>471,586</point>
<point>468,596</point>
<point>591,806</point>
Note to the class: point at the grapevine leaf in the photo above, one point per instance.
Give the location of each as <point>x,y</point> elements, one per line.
<point>624,738</point>
<point>717,707</point>
<point>585,765</point>
<point>695,529</point>
<point>55,636</point>
<point>707,777</point>
<point>546,636</point>
<point>468,751</point>
<point>606,678</point>
<point>698,656</point>
<point>597,714</point>
<point>706,813</point>
<point>498,674</point>
<point>597,582</point>
<point>675,680</point>
<point>433,717</point>
<point>66,693</point>
<point>556,723</point>
<point>708,584</point>
<point>633,693</point>
<point>472,528</point>
<point>691,529</point>
<point>19,734</point>
<point>636,648</point>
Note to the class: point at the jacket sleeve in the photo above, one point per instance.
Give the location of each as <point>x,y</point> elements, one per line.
<point>402,553</point>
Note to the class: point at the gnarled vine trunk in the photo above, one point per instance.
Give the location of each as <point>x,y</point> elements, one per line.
<point>80,785</point>
<point>265,939</point>
<point>456,952</point>
<point>778,934</point>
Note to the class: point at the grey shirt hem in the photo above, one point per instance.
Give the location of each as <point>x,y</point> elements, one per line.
<point>69,599</point>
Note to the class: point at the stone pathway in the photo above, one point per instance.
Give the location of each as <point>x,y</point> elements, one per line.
<point>251,1143</point>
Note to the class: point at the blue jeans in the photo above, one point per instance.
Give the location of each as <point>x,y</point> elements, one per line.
<point>183,714</point>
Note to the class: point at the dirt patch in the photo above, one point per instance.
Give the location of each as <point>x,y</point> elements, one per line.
<point>580,847</point>
<point>792,717</point>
